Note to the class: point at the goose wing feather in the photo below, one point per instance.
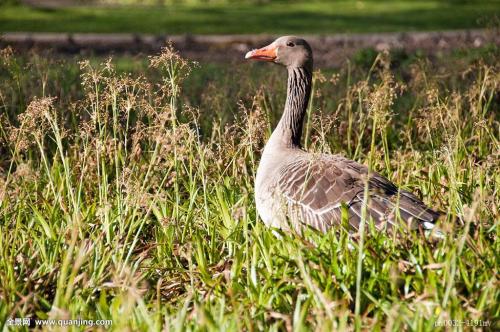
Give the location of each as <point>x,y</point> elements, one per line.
<point>315,189</point>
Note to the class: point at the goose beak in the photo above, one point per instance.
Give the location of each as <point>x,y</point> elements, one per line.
<point>268,53</point>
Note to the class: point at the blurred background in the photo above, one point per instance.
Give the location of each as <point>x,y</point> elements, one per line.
<point>245,16</point>
<point>220,30</point>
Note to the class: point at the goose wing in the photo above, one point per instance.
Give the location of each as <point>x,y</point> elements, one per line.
<point>316,190</point>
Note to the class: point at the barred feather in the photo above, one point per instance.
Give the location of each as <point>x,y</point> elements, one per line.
<point>316,187</point>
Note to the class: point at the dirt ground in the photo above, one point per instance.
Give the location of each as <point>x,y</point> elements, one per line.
<point>329,50</point>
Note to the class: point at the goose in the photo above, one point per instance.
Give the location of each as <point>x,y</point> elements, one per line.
<point>295,188</point>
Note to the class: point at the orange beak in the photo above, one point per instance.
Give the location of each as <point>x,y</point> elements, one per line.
<point>268,53</point>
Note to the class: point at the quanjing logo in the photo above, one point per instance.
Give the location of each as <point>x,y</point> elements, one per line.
<point>32,322</point>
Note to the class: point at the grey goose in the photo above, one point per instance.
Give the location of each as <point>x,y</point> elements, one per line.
<point>294,188</point>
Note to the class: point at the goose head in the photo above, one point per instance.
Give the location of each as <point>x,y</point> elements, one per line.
<point>289,51</point>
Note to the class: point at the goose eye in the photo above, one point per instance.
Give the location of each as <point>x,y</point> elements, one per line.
<point>291,44</point>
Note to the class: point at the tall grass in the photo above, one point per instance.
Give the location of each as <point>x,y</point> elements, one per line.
<point>129,196</point>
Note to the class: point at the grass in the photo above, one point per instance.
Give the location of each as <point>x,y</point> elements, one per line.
<point>127,195</point>
<point>298,17</point>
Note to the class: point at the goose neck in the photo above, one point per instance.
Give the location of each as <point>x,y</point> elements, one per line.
<point>288,133</point>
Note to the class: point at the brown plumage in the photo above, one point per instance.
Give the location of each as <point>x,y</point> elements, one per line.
<point>317,188</point>
<point>294,188</point>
